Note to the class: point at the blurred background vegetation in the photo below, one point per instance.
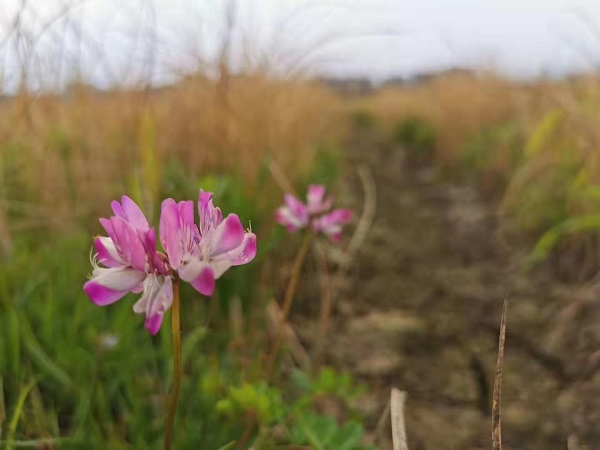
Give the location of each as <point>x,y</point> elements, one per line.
<point>73,375</point>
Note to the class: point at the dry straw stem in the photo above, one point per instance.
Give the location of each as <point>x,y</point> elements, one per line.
<point>497,396</point>
<point>288,300</point>
<point>397,400</point>
<point>362,228</point>
<point>298,352</point>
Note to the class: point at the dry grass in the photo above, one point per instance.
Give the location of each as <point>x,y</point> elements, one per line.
<point>63,157</point>
<point>459,105</point>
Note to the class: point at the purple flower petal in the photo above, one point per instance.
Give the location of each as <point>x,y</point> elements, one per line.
<point>129,244</point>
<point>118,209</point>
<point>107,252</point>
<point>227,236</point>
<point>243,254</point>
<point>286,217</point>
<point>170,231</point>
<point>210,217</point>
<point>186,213</point>
<point>205,281</point>
<point>107,225</point>
<point>155,301</point>
<point>101,295</point>
<point>109,285</point>
<point>153,323</point>
<point>133,214</point>
<point>316,201</point>
<point>331,224</point>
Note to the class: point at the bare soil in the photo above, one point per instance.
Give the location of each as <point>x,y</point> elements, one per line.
<point>421,310</point>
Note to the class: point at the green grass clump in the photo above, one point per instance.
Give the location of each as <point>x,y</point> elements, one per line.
<point>417,134</point>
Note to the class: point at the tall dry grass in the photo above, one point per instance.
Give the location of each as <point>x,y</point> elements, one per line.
<point>63,156</point>
<point>459,105</point>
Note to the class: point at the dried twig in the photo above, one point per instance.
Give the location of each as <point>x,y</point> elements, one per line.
<point>362,228</point>
<point>381,424</point>
<point>368,213</point>
<point>397,400</point>
<point>275,317</point>
<point>497,396</point>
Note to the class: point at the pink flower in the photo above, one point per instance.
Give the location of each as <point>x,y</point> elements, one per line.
<point>331,224</point>
<point>131,264</point>
<point>295,215</point>
<point>201,254</point>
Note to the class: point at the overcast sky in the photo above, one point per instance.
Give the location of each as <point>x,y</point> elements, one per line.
<point>115,41</point>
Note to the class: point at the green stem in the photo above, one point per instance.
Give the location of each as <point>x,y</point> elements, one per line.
<point>288,299</point>
<point>177,368</point>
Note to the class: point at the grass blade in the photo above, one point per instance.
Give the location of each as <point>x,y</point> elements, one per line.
<point>12,427</point>
<point>497,396</point>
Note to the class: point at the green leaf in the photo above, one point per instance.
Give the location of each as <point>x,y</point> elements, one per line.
<point>553,236</point>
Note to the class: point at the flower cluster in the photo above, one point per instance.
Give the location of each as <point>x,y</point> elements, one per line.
<point>315,214</point>
<point>127,260</point>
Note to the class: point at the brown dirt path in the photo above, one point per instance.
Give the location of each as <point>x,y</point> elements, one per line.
<point>421,309</point>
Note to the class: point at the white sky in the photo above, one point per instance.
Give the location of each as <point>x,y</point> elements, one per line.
<point>115,41</point>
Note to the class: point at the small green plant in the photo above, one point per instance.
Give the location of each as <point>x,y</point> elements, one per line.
<point>363,120</point>
<point>494,153</point>
<point>289,415</point>
<point>416,134</point>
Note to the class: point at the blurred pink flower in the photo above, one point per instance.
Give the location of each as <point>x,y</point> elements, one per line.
<point>201,254</point>
<point>131,264</point>
<point>295,215</point>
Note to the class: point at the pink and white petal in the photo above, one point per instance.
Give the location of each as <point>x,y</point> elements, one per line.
<point>141,305</point>
<point>134,214</point>
<point>153,323</point>
<point>170,231</point>
<point>191,269</point>
<point>158,305</point>
<point>102,295</point>
<point>245,253</point>
<point>161,263</point>
<point>186,213</point>
<point>220,266</point>
<point>315,195</point>
<point>107,225</point>
<point>331,222</point>
<point>121,279</point>
<point>227,236</point>
<point>161,296</point>
<point>341,216</point>
<point>155,301</point>
<point>205,281</point>
<point>107,252</point>
<point>148,239</point>
<point>118,209</point>
<point>205,210</point>
<point>129,244</point>
<point>284,216</point>
<point>296,206</point>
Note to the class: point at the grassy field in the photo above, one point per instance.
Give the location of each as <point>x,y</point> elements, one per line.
<point>73,375</point>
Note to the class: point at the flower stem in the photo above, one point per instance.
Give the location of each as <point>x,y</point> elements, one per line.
<point>177,367</point>
<point>288,299</point>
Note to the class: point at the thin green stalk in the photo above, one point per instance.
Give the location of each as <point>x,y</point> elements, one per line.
<point>288,299</point>
<point>177,366</point>
<point>12,427</point>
